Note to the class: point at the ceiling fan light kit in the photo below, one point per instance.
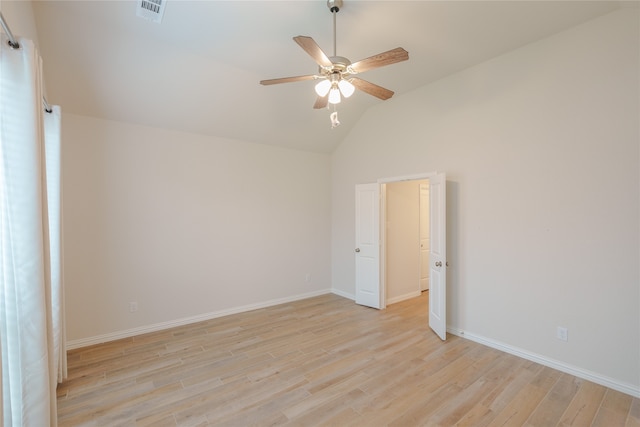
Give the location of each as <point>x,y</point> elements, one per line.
<point>346,88</point>
<point>336,73</point>
<point>334,96</point>
<point>322,88</point>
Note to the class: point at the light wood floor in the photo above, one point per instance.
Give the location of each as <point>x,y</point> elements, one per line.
<point>324,361</point>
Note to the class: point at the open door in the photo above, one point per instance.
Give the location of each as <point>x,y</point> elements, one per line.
<point>424,236</point>
<point>437,256</point>
<point>367,248</point>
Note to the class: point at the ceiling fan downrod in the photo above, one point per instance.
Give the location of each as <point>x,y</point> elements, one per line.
<point>335,77</point>
<point>334,6</point>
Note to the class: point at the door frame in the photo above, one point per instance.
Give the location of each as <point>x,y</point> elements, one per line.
<point>383,229</point>
<point>421,224</point>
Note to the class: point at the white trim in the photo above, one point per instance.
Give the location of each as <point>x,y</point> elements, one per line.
<point>383,229</point>
<point>416,177</point>
<point>84,342</point>
<point>343,294</point>
<point>630,389</point>
<point>404,297</point>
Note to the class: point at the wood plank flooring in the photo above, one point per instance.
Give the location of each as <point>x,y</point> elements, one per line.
<point>324,361</point>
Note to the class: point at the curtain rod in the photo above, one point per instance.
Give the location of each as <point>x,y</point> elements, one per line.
<point>15,45</point>
<point>12,41</point>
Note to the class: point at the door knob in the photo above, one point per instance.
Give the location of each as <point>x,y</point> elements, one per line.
<point>357,249</point>
<point>438,263</point>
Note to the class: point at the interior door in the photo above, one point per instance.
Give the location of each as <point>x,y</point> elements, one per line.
<point>424,236</point>
<point>367,247</point>
<point>437,256</point>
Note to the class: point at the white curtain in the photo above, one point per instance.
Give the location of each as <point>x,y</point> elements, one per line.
<point>31,293</point>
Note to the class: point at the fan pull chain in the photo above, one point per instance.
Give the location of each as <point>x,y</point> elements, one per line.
<point>334,118</point>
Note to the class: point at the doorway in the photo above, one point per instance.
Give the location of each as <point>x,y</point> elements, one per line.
<point>406,237</point>
<point>370,247</point>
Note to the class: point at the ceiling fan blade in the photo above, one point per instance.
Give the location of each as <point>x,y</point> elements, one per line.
<point>312,48</point>
<point>380,60</point>
<point>287,80</point>
<point>321,102</point>
<point>371,89</point>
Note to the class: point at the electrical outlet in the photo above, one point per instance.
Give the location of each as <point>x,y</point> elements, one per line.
<point>562,334</point>
<point>307,278</point>
<point>133,307</point>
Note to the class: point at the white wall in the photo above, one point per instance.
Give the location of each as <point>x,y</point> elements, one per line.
<point>402,240</point>
<point>185,225</point>
<point>531,246</point>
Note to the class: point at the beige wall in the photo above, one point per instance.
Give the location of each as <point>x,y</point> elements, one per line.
<point>530,246</point>
<point>402,240</point>
<point>185,225</point>
<point>19,16</point>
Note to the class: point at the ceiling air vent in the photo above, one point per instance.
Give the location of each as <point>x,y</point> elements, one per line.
<point>153,10</point>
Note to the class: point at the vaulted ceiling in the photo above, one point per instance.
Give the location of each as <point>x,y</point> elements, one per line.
<point>198,70</point>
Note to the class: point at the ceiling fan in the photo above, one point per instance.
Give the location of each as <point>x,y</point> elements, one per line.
<point>336,73</point>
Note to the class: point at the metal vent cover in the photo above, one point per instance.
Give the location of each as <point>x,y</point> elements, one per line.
<point>153,10</point>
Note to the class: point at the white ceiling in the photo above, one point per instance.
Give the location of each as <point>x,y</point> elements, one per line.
<point>198,71</point>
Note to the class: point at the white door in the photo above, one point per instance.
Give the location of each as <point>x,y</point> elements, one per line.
<point>424,237</point>
<point>367,247</point>
<point>437,256</point>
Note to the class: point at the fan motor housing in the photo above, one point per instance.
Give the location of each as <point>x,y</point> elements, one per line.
<point>340,65</point>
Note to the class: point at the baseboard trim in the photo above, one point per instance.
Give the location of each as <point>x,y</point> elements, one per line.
<point>620,386</point>
<point>403,297</point>
<point>85,342</point>
<point>343,294</point>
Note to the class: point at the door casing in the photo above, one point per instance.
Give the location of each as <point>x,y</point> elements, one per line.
<point>438,263</point>
<point>383,220</point>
